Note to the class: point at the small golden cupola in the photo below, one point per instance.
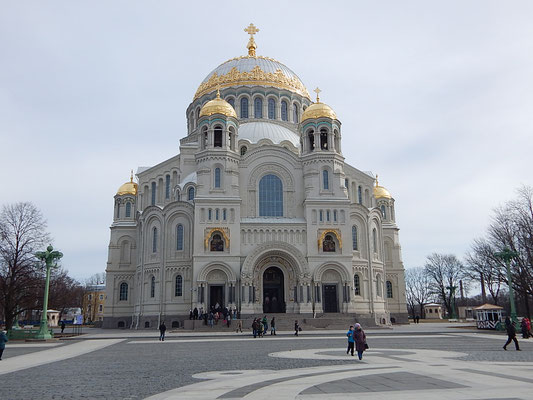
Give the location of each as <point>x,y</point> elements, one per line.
<point>218,106</point>
<point>318,109</point>
<point>128,188</point>
<point>380,192</point>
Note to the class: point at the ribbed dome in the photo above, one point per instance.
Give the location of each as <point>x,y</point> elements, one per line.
<point>255,131</point>
<point>128,188</point>
<point>218,106</point>
<point>250,70</point>
<point>318,110</point>
<point>380,192</point>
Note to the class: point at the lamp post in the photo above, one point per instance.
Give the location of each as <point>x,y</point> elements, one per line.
<point>507,255</point>
<point>50,258</point>
<point>452,290</point>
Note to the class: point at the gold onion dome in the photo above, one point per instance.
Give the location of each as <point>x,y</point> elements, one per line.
<point>318,110</point>
<point>218,106</point>
<point>380,192</point>
<point>128,188</point>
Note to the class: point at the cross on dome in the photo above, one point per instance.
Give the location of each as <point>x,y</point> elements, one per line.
<point>317,91</point>
<point>251,30</point>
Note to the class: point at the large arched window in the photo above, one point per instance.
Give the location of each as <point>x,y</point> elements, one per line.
<point>271,109</point>
<point>128,209</point>
<point>179,237</point>
<point>123,292</point>
<point>383,211</point>
<point>325,179</point>
<point>153,193</point>
<point>295,115</point>
<point>152,287</point>
<point>357,285</point>
<point>355,244</point>
<point>389,290</point>
<point>360,195</point>
<point>284,111</point>
<point>244,107</point>
<point>323,139</point>
<point>167,187</point>
<point>217,139</point>
<point>217,178</point>
<point>178,291</point>
<point>191,194</point>
<point>154,240</point>
<point>270,196</point>
<point>258,107</point>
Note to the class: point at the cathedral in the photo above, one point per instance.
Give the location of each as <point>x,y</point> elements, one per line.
<point>257,212</point>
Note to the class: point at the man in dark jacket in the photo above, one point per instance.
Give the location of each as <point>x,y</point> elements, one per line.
<point>511,334</point>
<point>162,329</point>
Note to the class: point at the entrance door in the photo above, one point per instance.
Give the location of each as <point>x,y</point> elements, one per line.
<point>330,298</point>
<point>273,293</point>
<point>216,296</point>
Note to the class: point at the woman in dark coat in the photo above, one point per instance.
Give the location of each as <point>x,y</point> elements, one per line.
<point>360,340</point>
<point>511,334</point>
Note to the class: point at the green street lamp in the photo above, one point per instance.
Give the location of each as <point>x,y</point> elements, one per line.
<point>507,255</point>
<point>50,258</point>
<point>452,290</point>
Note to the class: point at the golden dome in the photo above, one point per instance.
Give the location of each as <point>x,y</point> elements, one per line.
<point>128,188</point>
<point>380,192</point>
<point>318,110</point>
<point>218,106</point>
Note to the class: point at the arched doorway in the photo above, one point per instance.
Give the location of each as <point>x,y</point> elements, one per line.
<point>273,291</point>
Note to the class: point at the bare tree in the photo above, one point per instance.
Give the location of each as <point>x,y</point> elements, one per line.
<point>444,271</point>
<point>22,233</point>
<point>418,292</point>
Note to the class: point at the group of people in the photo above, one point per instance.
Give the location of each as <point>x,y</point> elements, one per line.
<point>525,326</point>
<point>356,340</point>
<point>215,314</point>
<point>260,326</point>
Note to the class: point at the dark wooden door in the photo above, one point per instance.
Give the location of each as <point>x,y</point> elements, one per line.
<point>330,299</point>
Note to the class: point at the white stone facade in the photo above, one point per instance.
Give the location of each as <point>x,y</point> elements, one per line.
<point>254,207</point>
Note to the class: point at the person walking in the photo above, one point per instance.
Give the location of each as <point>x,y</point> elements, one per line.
<point>360,340</point>
<point>255,327</point>
<point>162,330</point>
<point>523,326</point>
<point>265,324</point>
<point>62,326</point>
<point>273,326</point>
<point>351,340</point>
<point>3,340</point>
<point>211,318</point>
<point>239,327</point>
<point>296,328</point>
<point>228,320</point>
<point>511,334</point>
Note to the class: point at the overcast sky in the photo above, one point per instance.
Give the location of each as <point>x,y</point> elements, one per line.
<point>434,96</point>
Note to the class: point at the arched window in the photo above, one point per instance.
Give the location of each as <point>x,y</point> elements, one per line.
<point>224,214</point>
<point>204,137</point>
<point>123,292</point>
<point>217,177</point>
<point>328,245</point>
<point>270,196</point>
<point>355,244</point>
<point>118,210</point>
<point>179,237</point>
<point>295,113</point>
<point>244,149</point>
<point>128,209</point>
<point>311,138</point>
<point>152,287</point>
<point>217,214</point>
<point>191,193</point>
<point>389,289</point>
<point>325,179</point>
<point>153,193</point>
<point>217,140</point>
<point>258,107</point>
<point>284,111</point>
<point>167,187</point>
<point>217,243</point>
<point>154,240</point>
<point>360,195</point>
<point>374,240</point>
<point>383,211</point>
<point>209,214</point>
<point>334,215</point>
<point>378,286</point>
<point>271,109</point>
<point>231,101</point>
<point>346,185</point>
<point>178,290</point>
<point>244,107</point>
<point>323,139</point>
<point>356,285</point>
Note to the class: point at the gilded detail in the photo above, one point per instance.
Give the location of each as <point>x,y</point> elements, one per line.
<point>323,234</point>
<point>255,77</point>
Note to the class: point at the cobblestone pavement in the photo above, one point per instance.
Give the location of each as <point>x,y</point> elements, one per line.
<point>412,362</point>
